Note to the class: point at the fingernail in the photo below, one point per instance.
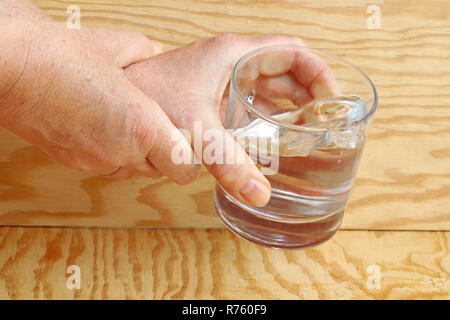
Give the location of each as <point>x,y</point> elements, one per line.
<point>255,192</point>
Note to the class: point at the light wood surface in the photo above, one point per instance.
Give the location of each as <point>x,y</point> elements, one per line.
<point>404,179</point>
<point>403,182</point>
<point>215,264</point>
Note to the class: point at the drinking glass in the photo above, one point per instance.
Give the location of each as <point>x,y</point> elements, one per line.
<point>302,115</point>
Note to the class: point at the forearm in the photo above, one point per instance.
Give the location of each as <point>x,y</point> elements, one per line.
<point>23,9</point>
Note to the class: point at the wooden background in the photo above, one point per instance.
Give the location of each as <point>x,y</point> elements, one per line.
<point>215,264</point>
<point>403,182</point>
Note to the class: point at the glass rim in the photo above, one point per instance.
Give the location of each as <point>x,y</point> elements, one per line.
<point>286,125</point>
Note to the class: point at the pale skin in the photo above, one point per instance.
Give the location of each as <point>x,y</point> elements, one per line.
<point>96,99</point>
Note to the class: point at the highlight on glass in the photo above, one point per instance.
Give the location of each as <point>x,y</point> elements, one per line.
<point>302,115</point>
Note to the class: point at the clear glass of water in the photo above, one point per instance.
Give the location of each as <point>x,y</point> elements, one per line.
<point>302,115</point>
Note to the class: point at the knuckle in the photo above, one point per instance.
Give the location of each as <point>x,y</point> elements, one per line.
<point>143,133</point>
<point>291,40</point>
<point>137,36</point>
<point>296,40</point>
<point>226,37</point>
<point>224,48</point>
<point>189,175</point>
<point>222,171</point>
<point>225,40</point>
<point>183,181</point>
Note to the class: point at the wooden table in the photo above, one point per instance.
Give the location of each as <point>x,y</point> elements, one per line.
<point>154,245</point>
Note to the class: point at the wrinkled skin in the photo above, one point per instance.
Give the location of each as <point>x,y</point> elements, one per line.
<point>190,84</point>
<point>68,95</point>
<point>66,92</point>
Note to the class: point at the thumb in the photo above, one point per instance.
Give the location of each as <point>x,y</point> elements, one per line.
<point>227,161</point>
<point>160,142</point>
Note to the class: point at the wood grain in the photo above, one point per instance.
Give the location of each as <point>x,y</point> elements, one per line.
<point>404,179</point>
<point>210,264</point>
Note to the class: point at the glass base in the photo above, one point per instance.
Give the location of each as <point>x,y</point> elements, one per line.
<point>301,233</point>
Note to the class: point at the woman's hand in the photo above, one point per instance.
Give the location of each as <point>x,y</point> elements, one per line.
<point>190,85</point>
<point>65,91</point>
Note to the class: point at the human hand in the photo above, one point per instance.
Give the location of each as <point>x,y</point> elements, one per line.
<point>65,92</point>
<point>190,85</point>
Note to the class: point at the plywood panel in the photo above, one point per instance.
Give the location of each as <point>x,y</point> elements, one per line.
<point>210,264</point>
<point>404,179</point>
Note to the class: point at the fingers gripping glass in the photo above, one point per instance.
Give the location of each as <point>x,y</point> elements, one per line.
<point>302,116</point>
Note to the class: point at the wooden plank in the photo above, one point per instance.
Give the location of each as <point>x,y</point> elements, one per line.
<point>404,178</point>
<point>210,264</point>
